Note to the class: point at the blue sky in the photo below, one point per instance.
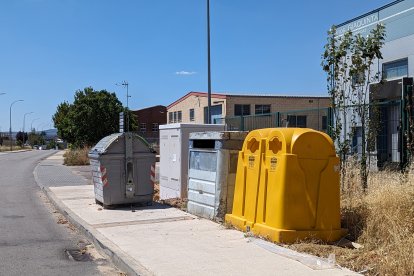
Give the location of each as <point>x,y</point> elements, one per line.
<point>51,48</point>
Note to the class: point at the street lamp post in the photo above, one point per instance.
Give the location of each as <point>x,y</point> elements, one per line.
<point>208,64</point>
<point>31,124</point>
<point>24,120</point>
<point>10,129</point>
<point>24,126</point>
<point>126,85</point>
<point>1,143</point>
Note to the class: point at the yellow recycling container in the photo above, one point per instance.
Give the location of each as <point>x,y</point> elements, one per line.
<point>247,180</point>
<point>295,190</point>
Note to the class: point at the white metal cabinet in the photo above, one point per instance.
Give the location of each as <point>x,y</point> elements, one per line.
<point>174,157</point>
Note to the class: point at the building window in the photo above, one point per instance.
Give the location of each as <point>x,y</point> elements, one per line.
<point>296,120</point>
<point>395,69</point>
<point>179,116</point>
<point>143,127</point>
<point>356,140</point>
<point>262,109</point>
<point>241,109</point>
<point>155,127</point>
<point>192,115</point>
<point>175,117</point>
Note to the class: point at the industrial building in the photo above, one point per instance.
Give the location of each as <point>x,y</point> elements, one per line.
<point>149,119</point>
<point>298,111</point>
<point>397,71</point>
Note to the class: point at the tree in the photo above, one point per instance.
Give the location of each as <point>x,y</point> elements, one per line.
<point>92,116</point>
<point>21,138</point>
<point>63,122</point>
<point>35,139</point>
<point>348,62</point>
<point>336,63</point>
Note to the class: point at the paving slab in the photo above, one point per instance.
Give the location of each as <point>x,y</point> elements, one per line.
<point>168,241</point>
<point>161,240</point>
<point>81,200</point>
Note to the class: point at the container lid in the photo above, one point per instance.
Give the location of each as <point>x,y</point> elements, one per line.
<point>218,135</point>
<point>103,145</point>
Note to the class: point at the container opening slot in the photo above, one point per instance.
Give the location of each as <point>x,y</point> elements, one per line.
<point>204,144</point>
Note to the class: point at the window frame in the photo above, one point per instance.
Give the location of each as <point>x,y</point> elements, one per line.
<point>385,64</point>
<point>192,114</point>
<point>179,116</point>
<point>143,127</point>
<point>296,120</point>
<point>261,106</point>
<point>242,106</point>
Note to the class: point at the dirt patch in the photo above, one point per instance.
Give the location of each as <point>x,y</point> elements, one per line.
<point>179,203</point>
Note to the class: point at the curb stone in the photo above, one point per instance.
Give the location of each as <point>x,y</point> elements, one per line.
<point>104,245</point>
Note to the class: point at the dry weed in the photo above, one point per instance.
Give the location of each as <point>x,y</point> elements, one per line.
<point>382,220</point>
<point>76,157</point>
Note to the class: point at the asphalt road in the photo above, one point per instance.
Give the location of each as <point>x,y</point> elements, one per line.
<point>34,238</point>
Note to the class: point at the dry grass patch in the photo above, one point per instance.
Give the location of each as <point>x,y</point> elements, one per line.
<point>76,157</point>
<point>382,220</point>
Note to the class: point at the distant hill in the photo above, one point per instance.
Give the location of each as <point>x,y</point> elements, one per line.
<point>51,133</point>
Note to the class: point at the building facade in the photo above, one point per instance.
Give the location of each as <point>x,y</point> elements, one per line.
<point>247,112</point>
<point>394,93</point>
<point>149,119</point>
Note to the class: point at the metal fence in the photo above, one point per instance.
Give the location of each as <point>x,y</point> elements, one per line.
<point>392,130</point>
<point>384,131</point>
<point>318,119</point>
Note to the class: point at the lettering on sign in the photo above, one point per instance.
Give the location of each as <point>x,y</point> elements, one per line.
<point>358,26</point>
<point>251,162</point>
<point>273,163</point>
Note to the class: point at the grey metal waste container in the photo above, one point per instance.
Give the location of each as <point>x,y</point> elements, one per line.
<point>121,169</point>
<point>212,172</point>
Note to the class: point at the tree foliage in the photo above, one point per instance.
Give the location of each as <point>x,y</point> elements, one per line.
<point>36,139</point>
<point>21,137</point>
<point>348,61</point>
<point>92,116</point>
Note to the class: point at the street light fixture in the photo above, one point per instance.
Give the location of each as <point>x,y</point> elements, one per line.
<point>126,85</point>
<point>10,129</point>
<point>31,124</point>
<point>40,127</point>
<point>24,120</point>
<point>24,126</point>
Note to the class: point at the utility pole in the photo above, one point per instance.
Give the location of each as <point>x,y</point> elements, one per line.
<point>208,64</point>
<point>10,129</point>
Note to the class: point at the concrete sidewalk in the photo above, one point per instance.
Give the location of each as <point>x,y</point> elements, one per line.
<point>160,240</point>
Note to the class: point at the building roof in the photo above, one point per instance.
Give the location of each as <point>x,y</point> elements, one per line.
<point>369,13</point>
<point>225,95</point>
<point>150,107</point>
<point>199,94</point>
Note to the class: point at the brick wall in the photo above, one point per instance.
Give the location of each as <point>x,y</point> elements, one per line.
<point>149,116</point>
<point>196,102</point>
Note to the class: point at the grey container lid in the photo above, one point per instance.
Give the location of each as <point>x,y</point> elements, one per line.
<point>104,144</point>
<point>219,135</point>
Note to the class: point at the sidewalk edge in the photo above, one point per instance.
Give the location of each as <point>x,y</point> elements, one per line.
<point>120,259</point>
